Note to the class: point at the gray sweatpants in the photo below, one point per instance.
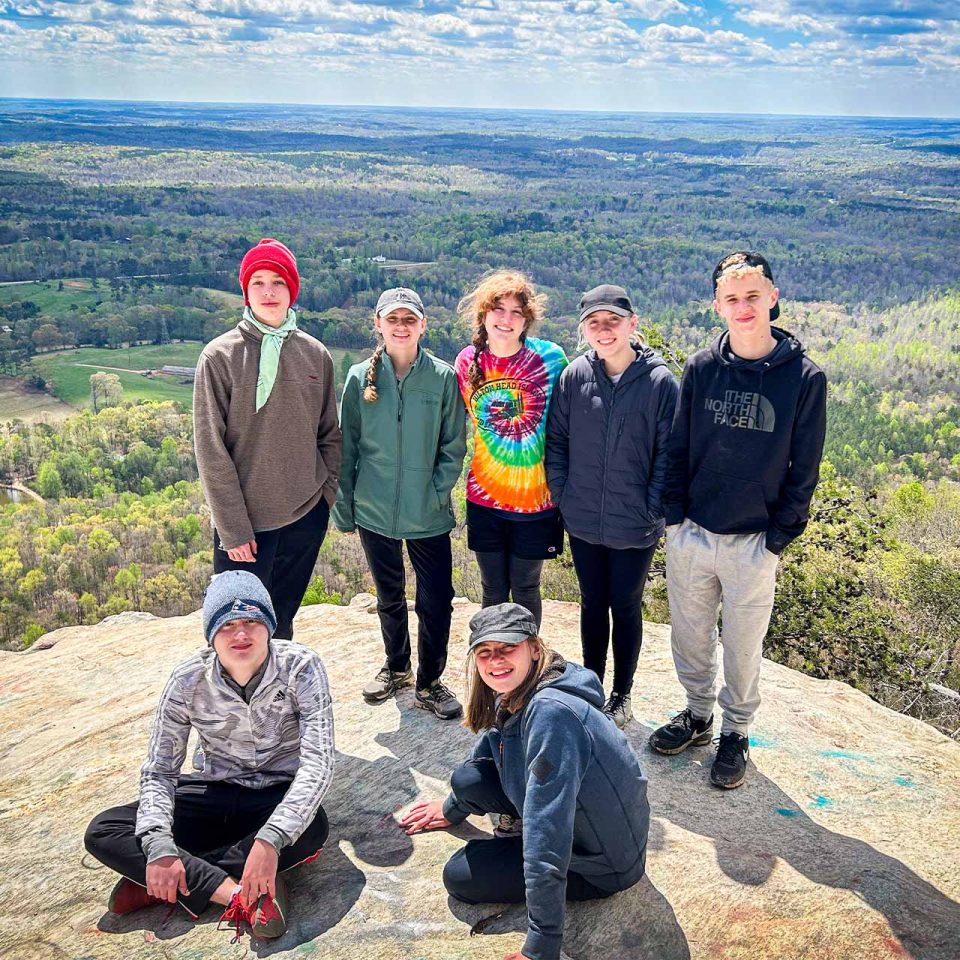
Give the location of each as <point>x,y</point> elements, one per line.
<point>706,569</point>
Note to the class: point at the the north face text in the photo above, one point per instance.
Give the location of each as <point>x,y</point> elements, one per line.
<point>743,409</point>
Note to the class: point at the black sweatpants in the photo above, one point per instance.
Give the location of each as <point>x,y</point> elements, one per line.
<point>611,581</point>
<point>214,827</point>
<point>432,562</point>
<point>491,871</point>
<point>284,562</point>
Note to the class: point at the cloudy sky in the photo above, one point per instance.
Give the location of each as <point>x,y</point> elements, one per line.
<point>899,57</point>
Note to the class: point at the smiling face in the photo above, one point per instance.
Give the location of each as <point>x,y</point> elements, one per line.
<point>401,330</point>
<point>744,300</point>
<point>269,297</point>
<point>609,333</point>
<point>505,322</point>
<point>242,646</point>
<point>504,666</point>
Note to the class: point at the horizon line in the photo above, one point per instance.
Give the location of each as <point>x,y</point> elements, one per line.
<point>486,109</point>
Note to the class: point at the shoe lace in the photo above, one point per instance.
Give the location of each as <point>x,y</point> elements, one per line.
<point>440,693</point>
<point>235,913</point>
<point>384,675</point>
<point>684,720</point>
<point>729,750</point>
<point>615,703</point>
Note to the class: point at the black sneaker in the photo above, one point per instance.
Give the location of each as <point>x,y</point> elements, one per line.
<point>730,765</point>
<point>619,709</point>
<point>440,701</point>
<point>386,683</point>
<point>684,730</point>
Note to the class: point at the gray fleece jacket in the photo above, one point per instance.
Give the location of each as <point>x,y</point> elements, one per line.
<point>285,733</point>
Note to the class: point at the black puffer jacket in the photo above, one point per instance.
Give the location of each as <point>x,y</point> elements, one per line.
<point>606,449</point>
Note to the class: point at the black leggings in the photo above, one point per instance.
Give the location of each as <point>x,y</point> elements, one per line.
<point>214,827</point>
<point>611,581</point>
<point>506,577</point>
<point>491,871</point>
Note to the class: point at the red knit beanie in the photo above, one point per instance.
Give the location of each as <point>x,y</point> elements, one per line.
<point>270,254</point>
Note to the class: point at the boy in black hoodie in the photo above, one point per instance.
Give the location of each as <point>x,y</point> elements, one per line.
<point>743,462</point>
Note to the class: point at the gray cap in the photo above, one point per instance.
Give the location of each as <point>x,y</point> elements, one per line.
<point>236,595</point>
<point>397,297</point>
<point>502,623</point>
<point>607,296</point>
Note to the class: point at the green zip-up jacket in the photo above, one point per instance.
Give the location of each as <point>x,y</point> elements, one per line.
<point>403,453</point>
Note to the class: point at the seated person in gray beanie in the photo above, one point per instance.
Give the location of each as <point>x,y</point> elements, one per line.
<point>263,713</point>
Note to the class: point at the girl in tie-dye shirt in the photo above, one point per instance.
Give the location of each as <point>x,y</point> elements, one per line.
<point>507,378</point>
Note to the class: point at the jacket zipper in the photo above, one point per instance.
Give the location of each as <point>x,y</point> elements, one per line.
<point>396,502</point>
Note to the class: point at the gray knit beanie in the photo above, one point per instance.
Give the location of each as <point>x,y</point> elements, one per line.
<point>236,595</point>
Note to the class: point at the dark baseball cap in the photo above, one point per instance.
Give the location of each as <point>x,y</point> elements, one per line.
<point>740,260</point>
<point>607,296</point>
<point>502,623</point>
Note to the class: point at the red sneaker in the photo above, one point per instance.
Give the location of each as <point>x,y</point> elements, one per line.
<point>268,917</point>
<point>128,896</point>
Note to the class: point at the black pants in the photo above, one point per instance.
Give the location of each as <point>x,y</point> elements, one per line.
<point>432,563</point>
<point>611,581</point>
<point>505,577</point>
<point>284,562</point>
<point>491,871</point>
<point>214,827</point>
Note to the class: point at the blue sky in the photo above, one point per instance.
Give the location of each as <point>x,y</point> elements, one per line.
<point>900,57</point>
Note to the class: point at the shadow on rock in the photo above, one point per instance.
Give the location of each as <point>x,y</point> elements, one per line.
<point>758,824</point>
<point>637,924</point>
<point>367,795</point>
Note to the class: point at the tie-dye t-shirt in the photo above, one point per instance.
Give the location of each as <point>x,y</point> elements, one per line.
<point>509,414</point>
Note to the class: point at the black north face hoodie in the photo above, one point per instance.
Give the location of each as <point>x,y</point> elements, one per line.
<point>744,453</point>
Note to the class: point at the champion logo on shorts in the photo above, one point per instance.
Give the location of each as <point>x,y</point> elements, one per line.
<point>551,549</point>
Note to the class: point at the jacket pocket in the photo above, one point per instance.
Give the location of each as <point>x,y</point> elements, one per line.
<point>727,504</point>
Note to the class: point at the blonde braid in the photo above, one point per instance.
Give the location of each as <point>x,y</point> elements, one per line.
<point>370,390</point>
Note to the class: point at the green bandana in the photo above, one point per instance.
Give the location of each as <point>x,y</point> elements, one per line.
<point>273,338</point>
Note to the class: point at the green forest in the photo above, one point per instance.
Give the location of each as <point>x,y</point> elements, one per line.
<point>120,234</point>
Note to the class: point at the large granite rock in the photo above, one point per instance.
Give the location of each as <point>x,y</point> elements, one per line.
<point>842,844</point>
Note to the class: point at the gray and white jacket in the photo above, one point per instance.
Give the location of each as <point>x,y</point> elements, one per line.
<point>285,733</point>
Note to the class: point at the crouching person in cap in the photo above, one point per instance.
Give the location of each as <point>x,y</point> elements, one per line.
<point>548,755</point>
<point>262,710</point>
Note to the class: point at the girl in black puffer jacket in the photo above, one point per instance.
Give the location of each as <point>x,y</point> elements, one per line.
<point>605,459</point>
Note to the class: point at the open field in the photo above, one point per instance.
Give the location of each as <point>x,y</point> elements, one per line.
<point>31,406</point>
<point>69,371</point>
<point>230,299</point>
<point>51,300</point>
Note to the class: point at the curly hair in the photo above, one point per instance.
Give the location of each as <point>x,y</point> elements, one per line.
<point>491,289</point>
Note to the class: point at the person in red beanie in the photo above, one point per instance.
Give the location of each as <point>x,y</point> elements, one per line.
<point>266,435</point>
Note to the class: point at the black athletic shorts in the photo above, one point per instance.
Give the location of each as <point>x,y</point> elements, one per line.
<point>530,538</point>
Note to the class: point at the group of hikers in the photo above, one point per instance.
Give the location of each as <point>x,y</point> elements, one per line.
<point>608,447</point>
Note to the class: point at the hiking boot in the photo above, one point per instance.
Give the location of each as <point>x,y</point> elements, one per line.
<point>439,700</point>
<point>386,683</point>
<point>619,709</point>
<point>268,917</point>
<point>128,896</point>
<point>684,730</point>
<point>730,764</point>
<point>508,826</point>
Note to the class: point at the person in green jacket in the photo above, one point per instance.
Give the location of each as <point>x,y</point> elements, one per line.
<point>404,440</point>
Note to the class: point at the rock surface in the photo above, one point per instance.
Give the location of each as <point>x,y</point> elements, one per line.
<point>844,844</point>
